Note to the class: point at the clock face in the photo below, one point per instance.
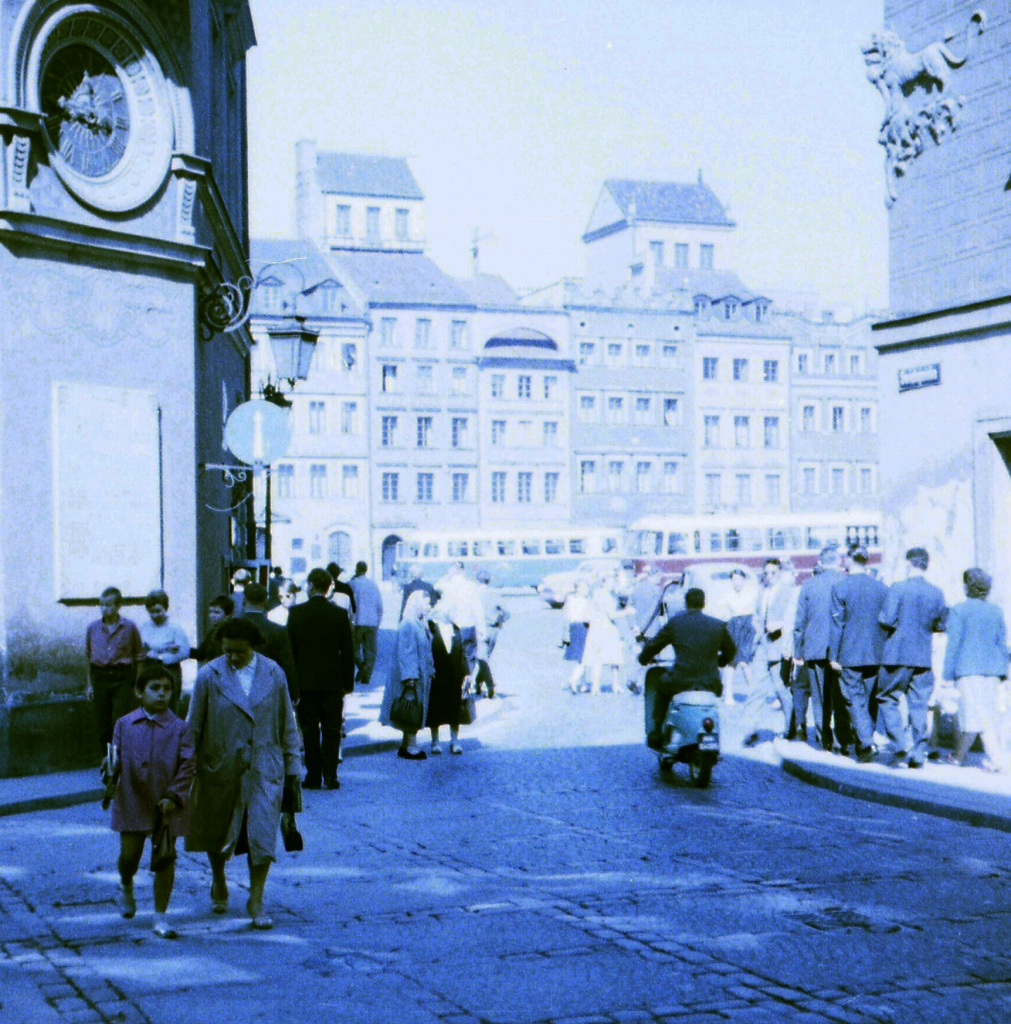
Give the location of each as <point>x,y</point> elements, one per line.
<point>86,112</point>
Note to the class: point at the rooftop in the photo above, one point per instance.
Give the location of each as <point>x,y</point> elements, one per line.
<point>488,290</point>
<point>302,274</point>
<point>357,174</point>
<point>668,202</point>
<point>400,279</point>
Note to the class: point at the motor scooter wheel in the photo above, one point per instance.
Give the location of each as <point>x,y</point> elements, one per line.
<point>666,764</point>
<point>700,771</point>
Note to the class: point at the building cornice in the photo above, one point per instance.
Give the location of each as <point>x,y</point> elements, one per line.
<point>938,326</point>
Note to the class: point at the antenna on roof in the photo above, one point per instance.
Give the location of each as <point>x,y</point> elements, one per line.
<point>476,239</point>
<point>700,175</point>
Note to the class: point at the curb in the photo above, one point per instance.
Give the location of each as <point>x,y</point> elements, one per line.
<point>827,779</point>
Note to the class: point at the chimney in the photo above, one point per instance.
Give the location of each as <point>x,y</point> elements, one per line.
<point>309,215</point>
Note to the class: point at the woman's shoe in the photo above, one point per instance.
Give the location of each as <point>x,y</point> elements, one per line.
<point>163,929</point>
<point>436,749</point>
<point>258,919</point>
<point>219,900</point>
<point>455,748</point>
<point>407,755</point>
<point>127,901</point>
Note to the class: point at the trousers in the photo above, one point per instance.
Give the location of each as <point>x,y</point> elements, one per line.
<point>769,679</point>
<point>831,721</point>
<point>111,697</point>
<point>320,715</point>
<point>907,733</point>
<point>365,651</point>
<point>858,689</point>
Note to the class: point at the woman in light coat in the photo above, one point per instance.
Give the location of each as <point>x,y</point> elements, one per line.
<point>976,658</point>
<point>412,665</point>
<point>246,743</point>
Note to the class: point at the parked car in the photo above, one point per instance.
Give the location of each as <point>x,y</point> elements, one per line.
<point>556,586</point>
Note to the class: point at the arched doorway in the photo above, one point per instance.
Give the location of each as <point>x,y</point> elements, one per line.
<point>389,556</point>
<point>339,548</point>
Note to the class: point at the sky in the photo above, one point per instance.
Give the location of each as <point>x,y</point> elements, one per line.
<point>512,113</point>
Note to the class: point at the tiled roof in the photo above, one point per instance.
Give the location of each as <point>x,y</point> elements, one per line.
<point>488,290</point>
<point>668,202</point>
<point>356,174</point>
<point>400,278</point>
<point>300,268</point>
<point>717,284</point>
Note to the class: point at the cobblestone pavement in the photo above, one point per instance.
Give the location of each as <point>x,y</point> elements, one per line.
<point>550,874</point>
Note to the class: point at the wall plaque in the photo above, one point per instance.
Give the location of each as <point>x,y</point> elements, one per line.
<point>919,377</point>
<point>107,504</point>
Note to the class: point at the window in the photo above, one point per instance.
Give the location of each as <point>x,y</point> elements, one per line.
<point>317,481</point>
<point>743,482</point>
<point>643,477</point>
<point>586,351</point>
<point>389,435</point>
<point>460,483</point>
<point>588,408</point>
<point>643,410</point>
<point>317,417</point>
<point>587,476</point>
<point>670,352</point>
<point>400,224</point>
<point>866,481</point>
<point>772,489</point>
<point>838,419</point>
<point>349,356</point>
<point>706,257</point>
<point>615,409</point>
<point>670,478</point>
<point>372,225</point>
<point>551,488</point>
<point>829,362</point>
<point>391,486</point>
<point>802,363</point>
<point>285,475</point>
<point>656,251</point>
<point>636,269</point>
<point>729,309</point>
<point>423,376</point>
<point>741,369</point>
<point>770,371</point>
<point>349,481</point>
<point>524,483</point>
<point>297,543</point>
<point>681,255</point>
<point>855,363</point>
<point>838,481</point>
<point>807,418</point>
<point>550,387</point>
<point>615,476</point>
<point>497,385</point>
<point>459,337</point>
<point>865,420</point>
<point>459,437</point>
<point>711,484</point>
<point>577,546</point>
<point>328,297</point>
<point>424,432</point>
<point>422,332</point>
<point>523,386</point>
<point>389,378</point>
<point>342,221</point>
<point>271,291</point>
<point>498,488</point>
<point>550,435</point>
<point>426,487</point>
<point>771,431</point>
<point>614,349</point>
<point>298,565</point>
<point>498,429</point>
<point>710,365</point>
<point>642,354</point>
<point>388,332</point>
<point>809,480</point>
<point>742,432</point>
<point>711,435</point>
<point>670,412</point>
<point>458,380</point>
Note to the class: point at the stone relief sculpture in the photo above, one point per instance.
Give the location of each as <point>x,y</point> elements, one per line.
<point>915,88</point>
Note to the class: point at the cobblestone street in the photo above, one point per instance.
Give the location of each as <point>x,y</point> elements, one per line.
<point>549,874</point>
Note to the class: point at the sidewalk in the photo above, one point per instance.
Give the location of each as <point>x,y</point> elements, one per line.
<point>970,795</point>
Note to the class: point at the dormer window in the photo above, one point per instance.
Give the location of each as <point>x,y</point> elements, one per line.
<point>729,308</point>
<point>701,304</point>
<point>328,296</point>
<point>636,269</point>
<point>270,289</point>
<point>761,310</point>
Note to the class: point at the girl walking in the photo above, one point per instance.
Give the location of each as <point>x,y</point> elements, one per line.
<point>154,752</point>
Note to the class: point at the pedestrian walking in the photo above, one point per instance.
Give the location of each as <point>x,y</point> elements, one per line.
<point>113,647</point>
<point>856,643</point>
<point>219,609</point>
<point>274,585</point>
<point>155,761</point>
<point>450,679</point>
<point>578,611</point>
<point>323,647</point>
<point>604,651</point>
<point>812,631</point>
<point>289,598</point>
<point>416,582</point>
<point>976,659</point>
<point>740,607</point>
<point>246,744</point>
<point>276,643</point>
<point>342,594</point>
<point>913,612</point>
<point>239,580</point>
<point>164,642</point>
<point>368,619</point>
<point>412,668</point>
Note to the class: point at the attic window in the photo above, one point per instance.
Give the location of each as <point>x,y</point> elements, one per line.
<point>729,308</point>
<point>701,303</point>
<point>761,309</point>
<point>271,294</point>
<point>328,296</point>
<point>636,269</point>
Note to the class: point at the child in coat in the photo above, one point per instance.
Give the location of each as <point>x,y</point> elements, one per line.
<point>154,754</point>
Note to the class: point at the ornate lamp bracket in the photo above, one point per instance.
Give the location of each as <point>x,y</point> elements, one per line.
<point>225,307</point>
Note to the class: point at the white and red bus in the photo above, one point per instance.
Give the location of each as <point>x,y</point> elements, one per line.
<point>673,543</point>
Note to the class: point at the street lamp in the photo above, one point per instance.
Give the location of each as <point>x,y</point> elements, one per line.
<point>292,345</point>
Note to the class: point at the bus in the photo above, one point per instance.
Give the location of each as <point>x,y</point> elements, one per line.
<point>513,557</point>
<point>674,543</point>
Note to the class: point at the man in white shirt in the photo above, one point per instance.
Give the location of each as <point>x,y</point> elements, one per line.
<point>164,642</point>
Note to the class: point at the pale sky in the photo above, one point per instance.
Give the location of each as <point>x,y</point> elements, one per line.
<point>513,112</point>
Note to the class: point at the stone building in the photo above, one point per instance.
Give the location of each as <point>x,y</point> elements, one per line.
<point>122,204</point>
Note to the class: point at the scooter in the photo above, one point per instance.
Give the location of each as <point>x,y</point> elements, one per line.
<point>690,733</point>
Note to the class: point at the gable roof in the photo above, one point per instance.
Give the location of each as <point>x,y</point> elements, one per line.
<point>400,279</point>
<point>357,174</point>
<point>668,202</point>
<point>488,290</point>
<point>302,273</point>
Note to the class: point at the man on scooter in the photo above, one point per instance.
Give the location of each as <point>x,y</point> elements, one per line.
<point>702,646</point>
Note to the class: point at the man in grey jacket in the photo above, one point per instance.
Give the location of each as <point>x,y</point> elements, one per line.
<point>812,631</point>
<point>856,643</point>
<point>368,619</point>
<point>914,611</point>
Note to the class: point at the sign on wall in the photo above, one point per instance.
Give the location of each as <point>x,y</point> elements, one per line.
<point>107,514</point>
<point>919,377</point>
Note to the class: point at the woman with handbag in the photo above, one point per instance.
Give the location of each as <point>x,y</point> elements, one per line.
<point>450,683</point>
<point>405,699</point>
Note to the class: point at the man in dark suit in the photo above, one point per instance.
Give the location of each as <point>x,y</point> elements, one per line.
<point>811,635</point>
<point>855,645</point>
<point>914,611</point>
<point>276,645</point>
<point>702,646</point>
<point>347,595</point>
<point>320,634</point>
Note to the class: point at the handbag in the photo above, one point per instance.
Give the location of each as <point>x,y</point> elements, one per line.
<point>468,708</point>
<point>406,712</point>
<point>290,834</point>
<point>163,846</point>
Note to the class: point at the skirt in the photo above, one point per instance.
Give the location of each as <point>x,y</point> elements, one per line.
<point>577,641</point>
<point>977,710</point>
<point>742,631</point>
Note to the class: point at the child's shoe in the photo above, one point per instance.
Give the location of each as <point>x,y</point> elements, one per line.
<point>163,929</point>
<point>127,902</point>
